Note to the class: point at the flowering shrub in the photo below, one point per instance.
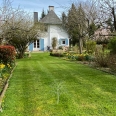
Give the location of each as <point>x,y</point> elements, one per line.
<point>2,66</point>
<point>5,71</point>
<point>78,57</point>
<point>7,54</point>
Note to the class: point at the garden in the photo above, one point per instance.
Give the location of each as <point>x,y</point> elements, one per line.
<point>7,64</point>
<point>42,85</point>
<point>100,56</point>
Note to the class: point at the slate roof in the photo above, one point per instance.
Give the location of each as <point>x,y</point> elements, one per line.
<point>51,18</point>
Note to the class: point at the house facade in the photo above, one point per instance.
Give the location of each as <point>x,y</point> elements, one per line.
<point>54,29</point>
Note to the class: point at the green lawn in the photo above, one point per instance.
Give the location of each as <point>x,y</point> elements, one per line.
<point>48,86</point>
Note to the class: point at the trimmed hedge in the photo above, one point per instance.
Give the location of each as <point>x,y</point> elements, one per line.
<point>7,54</point>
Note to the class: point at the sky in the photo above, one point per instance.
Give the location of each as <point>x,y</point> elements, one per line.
<point>38,5</point>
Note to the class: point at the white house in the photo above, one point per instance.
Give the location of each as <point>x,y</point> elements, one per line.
<point>53,29</point>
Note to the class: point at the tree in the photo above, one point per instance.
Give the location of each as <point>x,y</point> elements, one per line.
<point>108,11</point>
<point>91,12</point>
<point>6,13</point>
<point>80,22</point>
<point>18,28</point>
<point>64,19</point>
<point>43,14</point>
<point>20,32</point>
<point>77,25</point>
<point>71,24</point>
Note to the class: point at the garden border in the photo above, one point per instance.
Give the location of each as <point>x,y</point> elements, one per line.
<point>4,89</point>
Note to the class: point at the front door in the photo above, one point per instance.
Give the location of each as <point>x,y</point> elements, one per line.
<point>36,45</point>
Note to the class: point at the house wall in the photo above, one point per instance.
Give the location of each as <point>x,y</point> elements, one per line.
<point>58,32</point>
<point>53,31</point>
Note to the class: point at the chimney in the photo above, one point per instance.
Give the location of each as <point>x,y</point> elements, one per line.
<point>51,8</point>
<point>35,17</point>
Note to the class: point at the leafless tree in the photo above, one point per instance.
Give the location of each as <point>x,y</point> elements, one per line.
<point>18,28</point>
<point>107,11</point>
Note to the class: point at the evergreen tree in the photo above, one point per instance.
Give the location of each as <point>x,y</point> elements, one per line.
<point>43,14</point>
<point>64,19</point>
<point>76,25</point>
<point>71,24</point>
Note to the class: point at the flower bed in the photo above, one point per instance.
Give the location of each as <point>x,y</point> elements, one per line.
<point>5,71</point>
<point>5,74</point>
<point>79,57</point>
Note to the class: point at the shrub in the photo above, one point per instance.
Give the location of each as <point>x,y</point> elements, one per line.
<point>101,59</point>
<point>60,47</point>
<point>112,63</point>
<point>75,49</point>
<point>90,46</point>
<point>7,54</point>
<point>79,57</point>
<point>112,45</point>
<point>54,42</point>
<point>57,54</point>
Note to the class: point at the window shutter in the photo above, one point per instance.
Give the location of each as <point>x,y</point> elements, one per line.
<point>66,40</point>
<point>31,47</point>
<point>59,41</point>
<point>42,44</point>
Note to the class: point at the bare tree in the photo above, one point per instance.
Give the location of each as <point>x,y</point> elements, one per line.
<point>91,12</point>
<point>18,28</point>
<point>20,31</point>
<point>6,14</point>
<point>107,11</point>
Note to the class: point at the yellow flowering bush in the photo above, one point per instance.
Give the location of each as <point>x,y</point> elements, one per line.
<point>2,66</point>
<point>78,57</point>
<point>4,70</point>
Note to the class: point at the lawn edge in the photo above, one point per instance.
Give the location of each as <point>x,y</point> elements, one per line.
<point>4,89</point>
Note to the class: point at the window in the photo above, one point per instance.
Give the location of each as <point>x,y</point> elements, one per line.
<point>63,42</point>
<point>36,44</point>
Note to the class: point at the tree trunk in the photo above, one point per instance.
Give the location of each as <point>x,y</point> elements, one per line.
<point>114,17</point>
<point>80,45</point>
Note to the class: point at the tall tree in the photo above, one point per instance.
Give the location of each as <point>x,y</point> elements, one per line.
<point>77,24</point>
<point>20,32</point>
<point>91,12</point>
<point>108,10</point>
<point>43,14</point>
<point>17,28</point>
<point>71,24</point>
<point>64,19</point>
<point>6,13</point>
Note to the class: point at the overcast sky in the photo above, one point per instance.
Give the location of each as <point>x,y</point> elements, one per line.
<point>39,5</point>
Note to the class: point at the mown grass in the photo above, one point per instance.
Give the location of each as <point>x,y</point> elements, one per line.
<point>38,81</point>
